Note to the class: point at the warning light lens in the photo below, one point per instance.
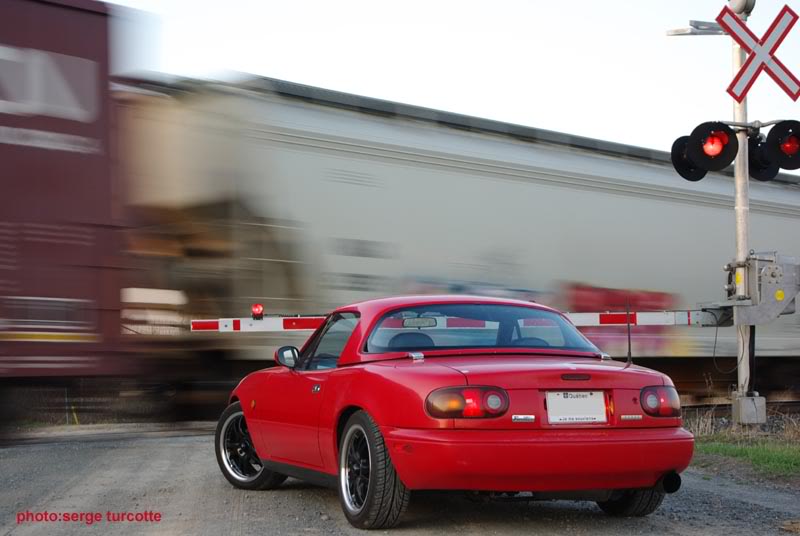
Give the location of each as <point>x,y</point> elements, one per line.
<point>790,145</point>
<point>714,144</point>
<point>258,311</point>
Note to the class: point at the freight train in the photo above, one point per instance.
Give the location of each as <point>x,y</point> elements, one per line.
<point>324,198</point>
<point>61,217</point>
<point>303,198</point>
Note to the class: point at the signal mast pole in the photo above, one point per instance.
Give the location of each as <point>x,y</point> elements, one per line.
<point>742,215</point>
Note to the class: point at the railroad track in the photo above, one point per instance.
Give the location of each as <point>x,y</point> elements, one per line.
<point>709,382</point>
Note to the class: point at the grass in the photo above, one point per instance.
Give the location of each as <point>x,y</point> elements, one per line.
<point>768,456</point>
<point>772,450</point>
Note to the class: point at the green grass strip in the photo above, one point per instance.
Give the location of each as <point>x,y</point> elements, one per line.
<point>771,458</point>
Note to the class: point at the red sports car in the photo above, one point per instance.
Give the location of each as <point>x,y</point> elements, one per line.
<point>455,393</point>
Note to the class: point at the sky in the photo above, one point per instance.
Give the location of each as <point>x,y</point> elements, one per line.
<point>603,69</point>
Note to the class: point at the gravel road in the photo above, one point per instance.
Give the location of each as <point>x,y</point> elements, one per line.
<point>176,476</point>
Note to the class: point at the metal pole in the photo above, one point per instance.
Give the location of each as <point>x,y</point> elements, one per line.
<point>742,213</point>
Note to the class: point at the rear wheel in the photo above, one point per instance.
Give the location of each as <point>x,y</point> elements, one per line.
<point>371,493</point>
<point>236,455</point>
<point>633,503</point>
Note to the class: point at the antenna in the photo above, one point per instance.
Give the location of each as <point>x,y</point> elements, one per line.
<point>628,322</point>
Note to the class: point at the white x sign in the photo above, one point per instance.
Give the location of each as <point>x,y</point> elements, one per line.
<point>762,52</point>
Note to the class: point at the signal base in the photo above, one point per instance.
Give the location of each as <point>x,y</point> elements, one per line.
<point>749,410</point>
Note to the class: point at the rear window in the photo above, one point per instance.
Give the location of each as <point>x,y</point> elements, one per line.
<point>454,326</point>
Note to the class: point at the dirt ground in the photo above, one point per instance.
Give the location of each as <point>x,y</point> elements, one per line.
<point>173,473</point>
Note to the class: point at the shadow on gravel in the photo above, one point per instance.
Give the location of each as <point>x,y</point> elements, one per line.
<point>442,511</point>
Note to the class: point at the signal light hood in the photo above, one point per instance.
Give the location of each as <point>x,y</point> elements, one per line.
<point>712,146</point>
<point>783,144</point>
<point>760,166</point>
<point>683,165</point>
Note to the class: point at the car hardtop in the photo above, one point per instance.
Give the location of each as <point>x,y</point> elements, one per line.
<point>374,309</point>
<point>371,311</point>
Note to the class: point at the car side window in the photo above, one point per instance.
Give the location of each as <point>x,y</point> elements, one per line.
<point>331,342</point>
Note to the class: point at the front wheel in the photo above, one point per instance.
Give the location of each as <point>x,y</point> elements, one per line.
<point>371,493</point>
<point>633,503</point>
<point>236,455</point>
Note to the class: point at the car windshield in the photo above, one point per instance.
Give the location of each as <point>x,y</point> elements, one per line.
<point>455,326</point>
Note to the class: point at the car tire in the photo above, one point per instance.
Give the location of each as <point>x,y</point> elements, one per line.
<point>236,455</point>
<point>633,503</point>
<point>378,499</point>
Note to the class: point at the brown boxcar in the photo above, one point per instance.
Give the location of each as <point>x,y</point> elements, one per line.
<point>60,217</point>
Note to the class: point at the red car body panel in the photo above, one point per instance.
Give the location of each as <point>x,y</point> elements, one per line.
<point>549,460</point>
<point>295,416</point>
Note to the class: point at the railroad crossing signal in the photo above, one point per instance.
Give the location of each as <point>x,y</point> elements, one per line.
<point>755,155</point>
<point>713,146</point>
<point>761,52</point>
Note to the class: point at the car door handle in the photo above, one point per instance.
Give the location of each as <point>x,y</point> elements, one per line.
<point>316,388</point>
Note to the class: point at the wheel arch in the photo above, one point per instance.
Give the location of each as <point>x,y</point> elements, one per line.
<point>341,420</point>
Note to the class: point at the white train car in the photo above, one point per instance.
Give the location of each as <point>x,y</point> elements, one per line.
<point>350,198</point>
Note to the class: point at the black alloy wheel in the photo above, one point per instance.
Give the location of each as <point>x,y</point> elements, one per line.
<point>371,493</point>
<point>356,467</point>
<point>236,455</point>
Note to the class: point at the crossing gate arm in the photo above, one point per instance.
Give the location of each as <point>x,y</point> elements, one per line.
<point>696,318</point>
<point>268,324</point>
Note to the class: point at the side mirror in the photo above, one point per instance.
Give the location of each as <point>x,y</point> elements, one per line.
<point>287,356</point>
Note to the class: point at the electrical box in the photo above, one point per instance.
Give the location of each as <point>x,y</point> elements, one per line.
<point>773,283</point>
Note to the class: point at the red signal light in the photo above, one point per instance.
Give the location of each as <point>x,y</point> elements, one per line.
<point>715,143</point>
<point>783,145</point>
<point>790,145</point>
<point>258,311</point>
<point>711,146</point>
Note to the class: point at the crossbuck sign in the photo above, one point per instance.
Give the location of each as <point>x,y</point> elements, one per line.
<point>761,53</point>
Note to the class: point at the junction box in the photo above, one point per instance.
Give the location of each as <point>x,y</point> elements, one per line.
<point>772,285</point>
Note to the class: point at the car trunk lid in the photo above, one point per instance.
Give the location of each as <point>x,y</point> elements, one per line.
<point>560,392</point>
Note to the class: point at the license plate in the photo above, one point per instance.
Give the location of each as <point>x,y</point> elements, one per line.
<point>575,407</point>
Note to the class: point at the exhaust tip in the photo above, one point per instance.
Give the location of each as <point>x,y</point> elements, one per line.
<point>670,482</point>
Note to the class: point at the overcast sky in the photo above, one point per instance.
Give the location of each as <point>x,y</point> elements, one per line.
<point>604,69</point>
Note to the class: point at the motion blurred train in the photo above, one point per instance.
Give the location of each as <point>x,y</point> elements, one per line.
<point>140,203</point>
<point>312,198</point>
<point>332,198</point>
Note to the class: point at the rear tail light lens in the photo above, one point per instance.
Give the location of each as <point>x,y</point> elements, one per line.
<point>467,403</point>
<point>661,401</point>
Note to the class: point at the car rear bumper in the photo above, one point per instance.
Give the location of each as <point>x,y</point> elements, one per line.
<point>537,460</point>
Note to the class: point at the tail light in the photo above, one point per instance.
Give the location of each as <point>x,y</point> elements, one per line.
<point>477,402</point>
<point>661,401</point>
